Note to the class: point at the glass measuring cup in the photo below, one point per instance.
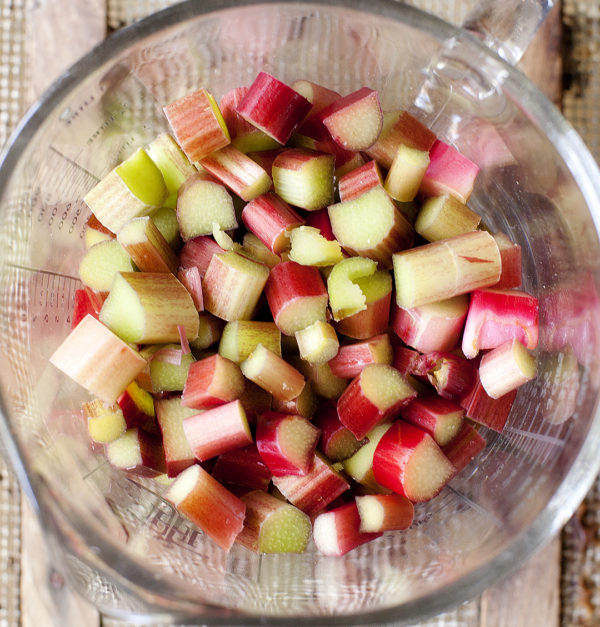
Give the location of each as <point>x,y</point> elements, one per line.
<point>119,542</point>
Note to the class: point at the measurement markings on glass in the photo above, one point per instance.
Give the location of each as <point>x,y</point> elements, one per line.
<point>74,163</point>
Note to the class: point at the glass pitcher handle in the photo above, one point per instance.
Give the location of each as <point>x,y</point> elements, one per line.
<point>507,26</point>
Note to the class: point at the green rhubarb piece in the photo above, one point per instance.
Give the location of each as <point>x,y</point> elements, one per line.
<point>345,295</point>
<point>360,465</point>
<point>165,220</point>
<point>286,531</point>
<point>101,262</point>
<point>310,248</point>
<point>167,376</point>
<point>241,337</point>
<point>143,178</point>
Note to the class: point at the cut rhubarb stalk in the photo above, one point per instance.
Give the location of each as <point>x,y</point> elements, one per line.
<point>165,220</point>
<point>482,408</point>
<point>105,422</point>
<point>192,281</point>
<point>217,430</point>
<point>510,255</point>
<point>319,96</point>
<point>315,491</point>
<point>255,400</point>
<point>360,465</point>
<point>470,261</point>
<point>169,368</point>
<point>233,285</point>
<point>243,467</point>
<point>138,452</point>
<point>273,107</point>
<point>375,395</point>
<point>95,232</point>
<point>371,226</point>
<point>438,416</point>
<point>464,447</point>
<point>406,173</point>
<point>496,316</point>
<point>346,297</point>
<point>173,164</point>
<point>384,512</point>
<point>444,216</point>
<point>241,337</point>
<point>148,307</point>
<point>356,182</point>
<point>286,443</point>
<point>317,343</point>
<point>101,262</point>
<point>337,442</point>
<point>201,203</point>
<point>351,359</point>
<point>320,220</point>
<point>406,360</point>
<point>170,414</point>
<point>197,252</point>
<point>254,248</point>
<point>373,320</point>
<point>197,124</point>
<point>146,246</point>
<point>399,127</point>
<point>355,120</point>
<point>432,327</point>
<point>310,248</point>
<point>305,404</point>
<point>272,373</point>
<point>449,173</point>
<point>210,506</point>
<point>134,188</point>
<point>238,172</point>
<point>296,295</point>
<point>273,526</point>
<point>452,376</point>
<point>228,106</point>
<point>212,381</point>
<point>304,178</point>
<point>343,165</point>
<point>270,219</point>
<point>86,301</point>
<point>209,331</point>
<point>265,159</point>
<point>324,382</point>
<point>98,360</point>
<point>408,461</point>
<point>506,368</point>
<point>137,405</point>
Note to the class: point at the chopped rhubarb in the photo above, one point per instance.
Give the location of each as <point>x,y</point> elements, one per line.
<point>440,417</point>
<point>384,512</point>
<point>310,248</point>
<point>452,376</point>
<point>86,301</point>
<point>212,381</point>
<point>346,296</point>
<point>138,452</point>
<point>336,441</point>
<point>360,465</point>
<point>241,337</point>
<point>191,279</point>
<point>105,422</point>
<point>243,467</point>
<point>197,252</point>
<point>360,180</point>
<point>406,173</point>
<point>101,262</point>
<point>137,405</point>
<point>464,447</point>
<point>351,359</point>
<point>318,343</point>
<point>170,414</point>
<point>444,216</point>
<point>505,368</point>
<point>305,404</point>
<point>510,256</point>
<point>490,412</point>
<point>320,220</point>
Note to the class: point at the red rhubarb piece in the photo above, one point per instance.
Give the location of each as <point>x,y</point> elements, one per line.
<point>86,301</point>
<point>438,416</point>
<point>464,447</point>
<point>243,467</point>
<point>336,441</point>
<point>452,376</point>
<point>197,252</point>
<point>511,262</point>
<point>352,358</point>
<point>384,512</point>
<point>170,415</point>
<point>137,452</point>
<point>360,180</point>
<point>320,220</point>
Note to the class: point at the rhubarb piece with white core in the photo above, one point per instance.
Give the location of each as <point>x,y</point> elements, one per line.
<point>192,281</point>
<point>375,395</point>
<point>496,316</point>
<point>138,452</point>
<point>324,382</point>
<point>310,248</point>
<point>95,358</point>
<point>209,331</point>
<point>510,255</point>
<point>273,526</point>
<point>146,246</point>
<point>253,141</point>
<point>318,95</point>
<point>360,465</point>
<point>337,442</point>
<point>169,368</point>
<point>197,124</point>
<point>134,188</point>
<point>314,491</point>
<point>271,219</point>
<point>212,381</point>
<point>148,308</point>
<point>452,376</point>
<point>304,178</point>
<point>305,404</point>
<point>273,107</point>
<point>469,261</point>
<point>355,120</point>
<point>105,422</point>
<point>254,248</point>
<point>485,410</point>
<point>337,531</point>
<point>241,337</point>
<point>408,461</point>
<point>351,359</point>
<point>449,172</point>
<point>95,232</point>
<point>384,512</point>
<point>296,295</point>
<point>137,405</point>
<point>506,368</point>
<point>399,127</point>
<point>406,173</point>
<point>201,203</point>
<point>286,443</point>
<point>238,172</point>
<point>444,216</point>
<point>165,220</point>
<point>243,467</point>
<point>346,297</point>
<point>440,417</point>
<point>371,226</point>
<point>173,164</point>
<point>170,414</point>
<point>360,180</point>
<point>272,373</point>
<point>464,447</point>
<point>374,319</point>
<point>197,252</point>
<point>406,360</point>
<point>431,327</point>
<point>318,343</point>
<point>217,430</point>
<point>319,219</point>
<point>232,286</point>
<point>101,262</point>
<point>210,506</point>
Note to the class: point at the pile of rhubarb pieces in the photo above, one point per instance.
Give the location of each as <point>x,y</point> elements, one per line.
<point>290,315</point>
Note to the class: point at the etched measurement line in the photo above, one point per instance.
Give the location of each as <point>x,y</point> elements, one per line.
<point>74,163</point>
<point>41,271</point>
<point>540,437</point>
<point>481,510</point>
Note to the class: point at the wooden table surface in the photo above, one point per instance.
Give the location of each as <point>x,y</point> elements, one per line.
<point>529,597</point>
